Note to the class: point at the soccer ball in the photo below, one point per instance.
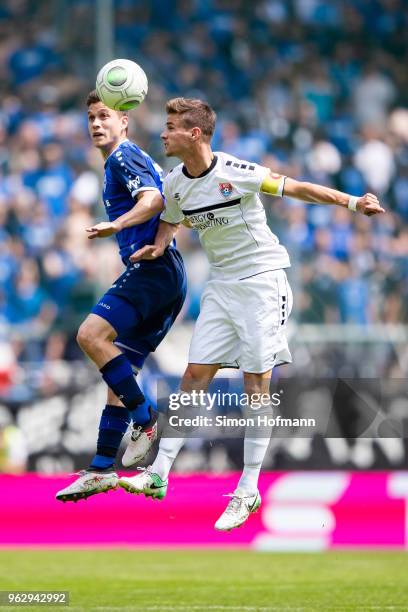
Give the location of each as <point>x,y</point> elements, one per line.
<point>121,84</point>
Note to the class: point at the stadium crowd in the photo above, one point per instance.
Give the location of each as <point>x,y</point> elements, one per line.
<point>315,90</point>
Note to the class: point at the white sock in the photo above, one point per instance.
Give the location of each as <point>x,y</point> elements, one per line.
<point>256,444</point>
<point>168,450</point>
<point>254,453</point>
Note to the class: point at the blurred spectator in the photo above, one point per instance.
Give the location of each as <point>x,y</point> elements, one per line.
<point>13,448</point>
<point>315,90</point>
<point>374,93</point>
<point>375,160</point>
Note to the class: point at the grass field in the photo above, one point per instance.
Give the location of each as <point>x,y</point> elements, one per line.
<point>212,580</point>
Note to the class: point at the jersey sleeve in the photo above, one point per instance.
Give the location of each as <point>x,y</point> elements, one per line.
<point>132,172</point>
<point>172,212</point>
<point>246,176</point>
<point>249,177</point>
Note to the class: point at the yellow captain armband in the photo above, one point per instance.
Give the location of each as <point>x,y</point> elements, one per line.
<point>273,184</point>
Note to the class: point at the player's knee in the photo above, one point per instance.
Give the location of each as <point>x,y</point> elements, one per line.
<point>190,375</point>
<point>196,377</point>
<point>93,334</point>
<point>257,383</point>
<point>89,337</point>
<point>85,337</point>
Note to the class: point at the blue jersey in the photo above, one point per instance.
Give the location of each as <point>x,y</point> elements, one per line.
<point>128,171</point>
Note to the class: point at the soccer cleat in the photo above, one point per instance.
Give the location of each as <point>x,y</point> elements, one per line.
<point>89,483</point>
<point>141,440</point>
<point>238,510</point>
<point>148,483</point>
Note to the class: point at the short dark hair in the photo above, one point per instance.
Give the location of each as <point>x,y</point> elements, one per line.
<point>194,113</point>
<point>92,98</point>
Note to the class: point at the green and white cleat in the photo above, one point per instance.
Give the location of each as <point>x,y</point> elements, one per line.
<point>148,483</point>
<point>88,483</point>
<point>238,510</point>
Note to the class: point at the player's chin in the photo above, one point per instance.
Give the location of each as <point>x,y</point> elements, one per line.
<point>167,150</point>
<point>170,152</point>
<point>99,141</point>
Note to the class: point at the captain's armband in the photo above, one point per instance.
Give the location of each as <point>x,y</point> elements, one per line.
<point>273,184</point>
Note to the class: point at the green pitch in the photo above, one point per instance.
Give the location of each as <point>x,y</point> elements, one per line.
<point>201,581</point>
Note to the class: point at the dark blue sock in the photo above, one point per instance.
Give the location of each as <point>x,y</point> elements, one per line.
<point>118,375</point>
<point>112,427</point>
<point>141,414</point>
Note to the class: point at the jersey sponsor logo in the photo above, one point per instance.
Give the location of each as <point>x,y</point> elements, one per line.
<point>176,196</point>
<point>226,189</point>
<point>133,184</point>
<point>104,305</point>
<point>203,221</point>
<point>107,203</point>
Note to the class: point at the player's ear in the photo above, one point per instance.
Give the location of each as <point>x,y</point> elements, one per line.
<point>196,133</point>
<point>125,121</point>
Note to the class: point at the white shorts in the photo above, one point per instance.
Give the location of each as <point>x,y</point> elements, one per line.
<point>242,323</point>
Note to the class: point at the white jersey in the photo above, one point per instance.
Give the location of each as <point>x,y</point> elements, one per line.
<point>224,206</point>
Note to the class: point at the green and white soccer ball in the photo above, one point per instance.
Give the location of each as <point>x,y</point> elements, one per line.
<point>121,84</point>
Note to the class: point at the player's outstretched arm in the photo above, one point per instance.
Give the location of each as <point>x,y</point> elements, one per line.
<point>149,204</point>
<point>164,237</point>
<point>367,205</point>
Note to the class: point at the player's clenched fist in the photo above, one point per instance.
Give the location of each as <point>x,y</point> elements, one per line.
<point>369,205</point>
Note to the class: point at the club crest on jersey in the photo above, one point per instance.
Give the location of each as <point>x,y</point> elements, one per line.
<point>226,189</point>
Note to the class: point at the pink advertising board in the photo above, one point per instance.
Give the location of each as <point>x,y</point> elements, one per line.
<point>300,511</point>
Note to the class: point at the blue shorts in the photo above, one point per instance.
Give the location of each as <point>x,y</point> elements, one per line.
<point>143,304</point>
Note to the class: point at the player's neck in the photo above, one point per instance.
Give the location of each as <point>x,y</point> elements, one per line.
<point>198,162</point>
<point>106,151</point>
